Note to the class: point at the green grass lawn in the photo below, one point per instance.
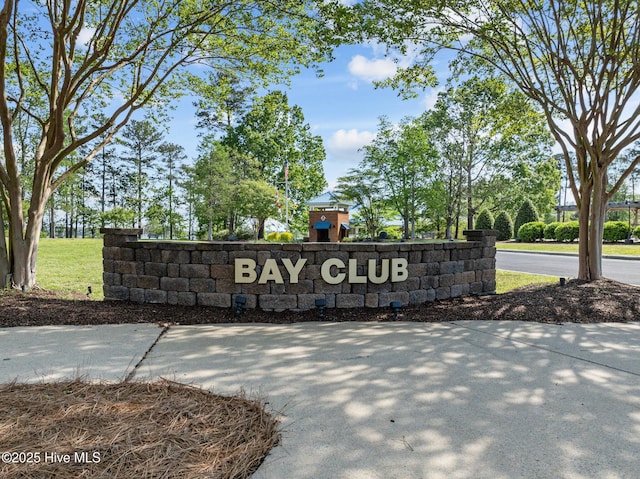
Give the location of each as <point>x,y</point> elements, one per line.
<point>67,265</point>
<point>612,249</point>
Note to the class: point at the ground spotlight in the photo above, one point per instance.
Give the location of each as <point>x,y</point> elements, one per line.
<point>395,307</point>
<point>321,304</point>
<point>240,304</point>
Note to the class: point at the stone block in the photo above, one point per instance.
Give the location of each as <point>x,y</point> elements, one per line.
<point>136,295</point>
<point>172,298</point>
<point>196,257</point>
<point>143,255</point>
<point>218,300</point>
<point>108,265</point>
<point>202,285</point>
<point>225,271</point>
<point>120,293</point>
<point>386,298</point>
<point>126,267</point>
<point>488,286</point>
<point>186,299</point>
<point>458,290</point>
<point>447,279</point>
<point>308,301</point>
<point>408,285</point>
<point>112,279</point>
<point>215,257</point>
<point>155,269</point>
<point>155,296</point>
<point>349,301</point>
<point>475,287</point>
<point>427,282</point>
<point>443,292</point>
<point>371,300</point>
<point>272,302</point>
<point>174,284</point>
<point>175,256</point>
<point>418,296</point>
<point>320,287</point>
<point>228,286</point>
<point>110,252</point>
<point>195,270</point>
<point>173,270</point>
<point>304,286</point>
<point>129,280</point>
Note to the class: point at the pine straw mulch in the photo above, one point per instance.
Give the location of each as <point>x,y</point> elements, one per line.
<point>76,429</point>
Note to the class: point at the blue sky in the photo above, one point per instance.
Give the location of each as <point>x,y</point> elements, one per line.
<point>343,106</point>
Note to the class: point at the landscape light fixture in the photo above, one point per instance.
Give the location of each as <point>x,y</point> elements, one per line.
<point>321,304</point>
<point>240,304</point>
<point>395,307</point>
<point>563,281</point>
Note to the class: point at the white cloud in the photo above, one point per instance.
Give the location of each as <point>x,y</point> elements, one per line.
<point>372,70</point>
<point>85,36</point>
<point>429,100</point>
<point>349,141</point>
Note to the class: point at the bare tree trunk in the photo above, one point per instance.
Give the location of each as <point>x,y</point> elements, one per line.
<point>4,254</point>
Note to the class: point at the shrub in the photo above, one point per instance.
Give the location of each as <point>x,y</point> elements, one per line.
<point>637,232</point>
<point>286,237</point>
<point>615,231</point>
<point>532,231</point>
<point>274,236</point>
<point>504,225</point>
<point>484,220</point>
<point>550,230</point>
<point>569,231</point>
<point>526,214</point>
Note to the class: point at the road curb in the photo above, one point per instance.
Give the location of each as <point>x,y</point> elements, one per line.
<point>558,253</point>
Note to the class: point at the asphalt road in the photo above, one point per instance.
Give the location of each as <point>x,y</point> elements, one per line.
<point>624,270</point>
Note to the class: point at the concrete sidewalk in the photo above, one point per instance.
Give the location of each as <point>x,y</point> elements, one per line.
<point>50,353</point>
<point>400,400</point>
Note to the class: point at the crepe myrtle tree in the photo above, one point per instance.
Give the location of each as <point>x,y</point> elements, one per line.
<point>62,61</point>
<point>578,60</point>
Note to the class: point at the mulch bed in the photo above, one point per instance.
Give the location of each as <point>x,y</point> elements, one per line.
<point>76,429</point>
<point>578,301</point>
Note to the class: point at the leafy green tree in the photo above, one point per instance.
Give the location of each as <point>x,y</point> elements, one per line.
<point>61,61</point>
<point>211,186</point>
<point>480,128</point>
<point>485,220</point>
<point>526,214</point>
<point>276,136</point>
<point>171,156</point>
<point>363,188</point>
<point>577,60</point>
<point>404,160</point>
<point>504,226</point>
<point>258,203</point>
<point>141,141</point>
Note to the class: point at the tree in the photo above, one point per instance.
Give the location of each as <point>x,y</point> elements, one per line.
<point>577,60</point>
<point>62,61</point>
<point>526,214</point>
<point>404,160</point>
<point>480,128</point>
<point>485,220</point>
<point>172,156</point>
<point>141,140</point>
<point>504,226</point>
<point>362,187</point>
<point>288,155</point>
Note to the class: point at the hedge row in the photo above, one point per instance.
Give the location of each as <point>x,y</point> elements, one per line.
<point>570,231</point>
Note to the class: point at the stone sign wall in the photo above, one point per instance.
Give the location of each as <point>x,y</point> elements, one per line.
<point>293,276</point>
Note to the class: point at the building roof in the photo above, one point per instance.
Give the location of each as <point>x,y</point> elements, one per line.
<point>328,200</point>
